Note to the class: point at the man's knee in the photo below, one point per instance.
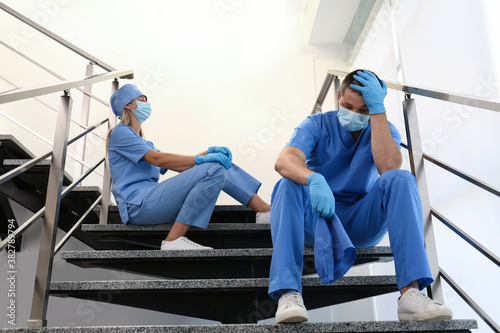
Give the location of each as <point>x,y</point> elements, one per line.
<point>287,188</point>
<point>398,176</point>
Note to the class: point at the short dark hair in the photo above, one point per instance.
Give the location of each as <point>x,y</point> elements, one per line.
<point>349,79</point>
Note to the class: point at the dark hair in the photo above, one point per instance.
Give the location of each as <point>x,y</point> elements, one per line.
<point>349,79</point>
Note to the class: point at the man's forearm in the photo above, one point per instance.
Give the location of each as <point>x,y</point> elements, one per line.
<point>386,154</point>
<point>293,167</point>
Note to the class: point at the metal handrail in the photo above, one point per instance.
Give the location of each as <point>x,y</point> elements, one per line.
<point>19,230</point>
<point>19,94</point>
<point>435,94</point>
<point>475,244</point>
<point>76,225</point>
<point>36,63</point>
<point>56,38</point>
<point>31,163</point>
<point>487,319</point>
<point>463,175</point>
<point>76,159</point>
<point>22,228</point>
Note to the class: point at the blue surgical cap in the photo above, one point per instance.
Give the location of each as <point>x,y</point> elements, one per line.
<point>122,97</point>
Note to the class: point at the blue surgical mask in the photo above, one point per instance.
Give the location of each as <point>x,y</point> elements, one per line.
<point>352,121</point>
<point>143,111</point>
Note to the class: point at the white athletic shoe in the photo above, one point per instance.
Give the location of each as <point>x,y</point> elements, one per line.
<point>182,243</point>
<point>415,305</point>
<point>291,308</point>
<point>263,218</point>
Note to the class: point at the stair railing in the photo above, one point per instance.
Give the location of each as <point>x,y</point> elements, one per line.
<point>87,95</point>
<point>55,191</point>
<point>417,157</point>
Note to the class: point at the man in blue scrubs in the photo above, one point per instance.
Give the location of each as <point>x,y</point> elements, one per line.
<point>341,189</point>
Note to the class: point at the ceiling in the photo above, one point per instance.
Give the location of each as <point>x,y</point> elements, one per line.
<point>331,20</point>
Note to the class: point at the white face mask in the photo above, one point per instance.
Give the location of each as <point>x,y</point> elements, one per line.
<point>352,121</point>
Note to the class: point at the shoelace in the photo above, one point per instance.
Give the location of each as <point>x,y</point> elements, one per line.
<point>421,298</point>
<point>291,299</point>
<point>190,242</point>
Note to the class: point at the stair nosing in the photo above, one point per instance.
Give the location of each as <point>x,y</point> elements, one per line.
<point>319,327</point>
<point>165,227</point>
<point>211,284</point>
<point>216,253</point>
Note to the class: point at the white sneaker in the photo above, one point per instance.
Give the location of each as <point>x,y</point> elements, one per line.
<point>263,218</point>
<point>415,305</point>
<point>182,243</point>
<point>291,308</point>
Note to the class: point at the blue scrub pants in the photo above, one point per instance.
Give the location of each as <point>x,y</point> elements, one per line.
<point>392,205</point>
<point>190,196</point>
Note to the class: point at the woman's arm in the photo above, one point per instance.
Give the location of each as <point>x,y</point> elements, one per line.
<point>175,162</point>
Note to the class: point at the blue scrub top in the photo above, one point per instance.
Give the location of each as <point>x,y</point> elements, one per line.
<point>330,150</point>
<point>130,174</point>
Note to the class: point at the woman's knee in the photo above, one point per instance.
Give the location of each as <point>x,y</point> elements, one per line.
<point>215,170</point>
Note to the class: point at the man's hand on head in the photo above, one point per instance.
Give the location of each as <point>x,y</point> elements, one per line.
<point>372,89</point>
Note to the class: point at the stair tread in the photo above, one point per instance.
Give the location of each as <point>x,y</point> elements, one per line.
<point>217,208</point>
<point>166,227</point>
<point>21,161</point>
<point>307,281</point>
<point>364,326</point>
<point>144,254</point>
<point>9,142</point>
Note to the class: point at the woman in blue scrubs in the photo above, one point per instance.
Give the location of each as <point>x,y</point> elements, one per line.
<point>184,200</point>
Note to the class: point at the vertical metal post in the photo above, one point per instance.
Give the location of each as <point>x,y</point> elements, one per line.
<point>336,87</point>
<point>417,168</point>
<point>84,120</point>
<point>49,224</point>
<point>106,183</point>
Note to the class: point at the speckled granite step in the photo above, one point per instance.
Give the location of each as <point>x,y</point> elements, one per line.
<point>224,300</point>
<point>217,235</point>
<point>457,326</point>
<point>221,214</point>
<point>218,263</point>
<point>10,148</point>
<point>38,173</point>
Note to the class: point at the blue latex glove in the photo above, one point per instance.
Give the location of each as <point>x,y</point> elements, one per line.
<point>372,90</point>
<point>223,150</point>
<point>215,157</point>
<point>322,199</point>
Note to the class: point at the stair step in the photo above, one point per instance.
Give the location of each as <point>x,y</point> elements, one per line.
<point>200,264</point>
<point>221,214</point>
<point>456,326</point>
<point>224,300</point>
<point>38,172</point>
<point>217,235</point>
<point>11,148</point>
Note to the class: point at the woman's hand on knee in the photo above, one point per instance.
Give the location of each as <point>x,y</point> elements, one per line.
<point>214,157</point>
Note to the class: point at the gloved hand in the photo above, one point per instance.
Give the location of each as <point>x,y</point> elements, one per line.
<point>214,157</point>
<point>223,150</point>
<point>372,90</point>
<point>322,199</point>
